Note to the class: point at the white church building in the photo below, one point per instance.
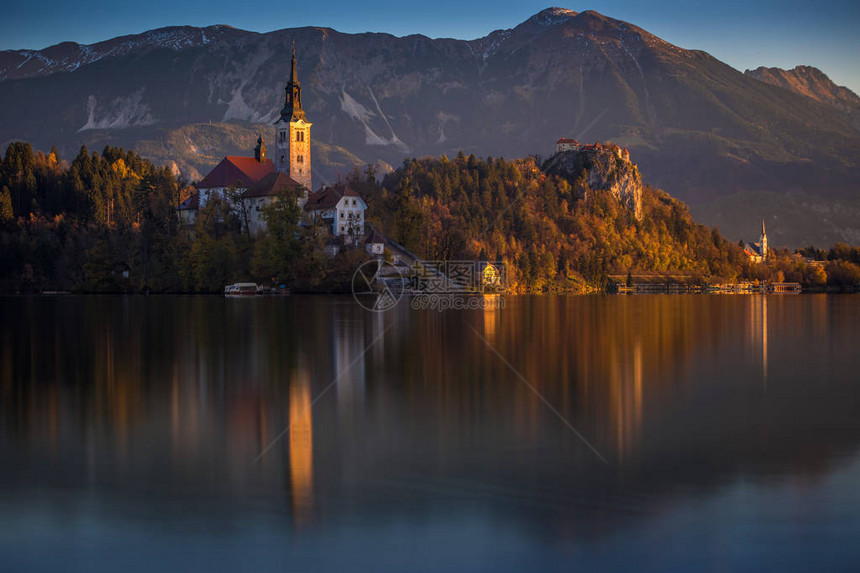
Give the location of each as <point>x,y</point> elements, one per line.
<point>260,179</point>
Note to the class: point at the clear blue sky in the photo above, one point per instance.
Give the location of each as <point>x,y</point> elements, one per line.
<point>744,34</point>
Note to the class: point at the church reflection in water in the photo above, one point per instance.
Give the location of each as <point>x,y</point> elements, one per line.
<point>301,459</point>
<point>757,331</point>
<point>190,392</point>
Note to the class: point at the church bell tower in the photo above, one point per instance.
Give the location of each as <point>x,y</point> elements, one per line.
<point>260,150</point>
<point>763,241</point>
<point>293,138</point>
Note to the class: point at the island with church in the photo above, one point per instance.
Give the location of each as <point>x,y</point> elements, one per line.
<point>257,181</point>
<point>581,221</point>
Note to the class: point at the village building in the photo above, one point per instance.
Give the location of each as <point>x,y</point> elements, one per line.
<point>259,180</point>
<point>232,173</point>
<point>262,193</point>
<point>491,277</point>
<point>340,209</point>
<point>757,252</point>
<point>375,243</point>
<point>566,144</point>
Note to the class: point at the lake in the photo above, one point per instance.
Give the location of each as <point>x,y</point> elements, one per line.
<point>305,433</point>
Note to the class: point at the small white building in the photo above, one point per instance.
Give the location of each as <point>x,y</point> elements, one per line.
<point>339,207</point>
<point>375,244</point>
<point>566,144</point>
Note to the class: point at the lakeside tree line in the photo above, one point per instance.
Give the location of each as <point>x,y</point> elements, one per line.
<point>107,222</point>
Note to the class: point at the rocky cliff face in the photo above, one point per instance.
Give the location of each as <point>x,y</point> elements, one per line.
<point>605,169</point>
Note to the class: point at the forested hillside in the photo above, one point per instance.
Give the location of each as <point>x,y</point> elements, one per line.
<point>105,222</point>
<point>554,234</point>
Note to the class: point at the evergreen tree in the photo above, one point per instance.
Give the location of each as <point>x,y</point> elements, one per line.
<point>6,213</point>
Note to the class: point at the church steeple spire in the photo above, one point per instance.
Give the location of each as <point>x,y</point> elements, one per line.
<point>293,78</point>
<point>293,139</point>
<point>293,96</point>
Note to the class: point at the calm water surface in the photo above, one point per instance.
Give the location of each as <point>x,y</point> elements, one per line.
<point>307,434</point>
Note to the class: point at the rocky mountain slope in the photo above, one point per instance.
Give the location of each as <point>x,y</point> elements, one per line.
<point>69,56</point>
<point>695,126</point>
<point>811,82</point>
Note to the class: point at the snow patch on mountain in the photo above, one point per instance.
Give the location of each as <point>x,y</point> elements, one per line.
<point>353,109</point>
<point>442,138</point>
<point>443,119</point>
<point>350,106</point>
<point>361,114</point>
<point>69,56</point>
<point>394,139</point>
<point>237,107</point>
<point>496,40</point>
<point>552,16</point>
<point>122,112</point>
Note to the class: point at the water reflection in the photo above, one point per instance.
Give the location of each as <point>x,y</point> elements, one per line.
<point>182,394</point>
<point>757,334</point>
<point>301,446</point>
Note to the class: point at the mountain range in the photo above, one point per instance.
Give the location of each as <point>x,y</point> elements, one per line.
<point>783,145</point>
<point>810,82</point>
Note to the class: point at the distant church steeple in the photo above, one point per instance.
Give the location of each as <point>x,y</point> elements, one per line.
<point>294,133</point>
<point>763,241</point>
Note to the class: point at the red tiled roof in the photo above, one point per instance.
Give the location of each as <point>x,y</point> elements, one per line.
<point>592,146</point>
<point>238,171</point>
<point>327,197</point>
<point>567,140</point>
<point>272,184</point>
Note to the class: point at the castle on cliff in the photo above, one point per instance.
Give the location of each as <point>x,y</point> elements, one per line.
<point>567,144</point>
<point>607,167</point>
